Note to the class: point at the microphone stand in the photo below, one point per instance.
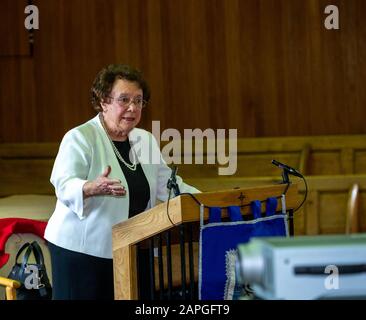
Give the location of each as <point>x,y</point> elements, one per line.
<point>286,180</point>
<point>286,170</point>
<point>285,177</point>
<point>172,184</point>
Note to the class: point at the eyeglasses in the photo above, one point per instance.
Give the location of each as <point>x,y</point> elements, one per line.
<point>125,102</point>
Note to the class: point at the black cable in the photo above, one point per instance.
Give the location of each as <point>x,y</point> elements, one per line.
<point>167,208</point>
<point>305,196</point>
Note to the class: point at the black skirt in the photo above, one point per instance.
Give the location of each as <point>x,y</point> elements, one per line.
<point>78,276</point>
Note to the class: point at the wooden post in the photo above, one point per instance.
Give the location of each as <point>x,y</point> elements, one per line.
<point>125,273</point>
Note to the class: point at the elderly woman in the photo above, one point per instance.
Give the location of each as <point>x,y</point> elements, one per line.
<point>101,177</point>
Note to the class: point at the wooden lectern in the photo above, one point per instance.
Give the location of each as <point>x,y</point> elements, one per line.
<point>182,209</point>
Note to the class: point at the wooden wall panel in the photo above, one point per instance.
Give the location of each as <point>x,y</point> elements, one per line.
<point>332,208</point>
<point>18,111</point>
<point>14,41</point>
<point>265,67</point>
<point>75,41</point>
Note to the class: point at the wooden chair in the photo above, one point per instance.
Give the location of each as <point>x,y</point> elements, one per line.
<point>10,287</point>
<point>352,220</point>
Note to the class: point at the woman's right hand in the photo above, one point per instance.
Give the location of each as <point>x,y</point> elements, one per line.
<point>104,186</point>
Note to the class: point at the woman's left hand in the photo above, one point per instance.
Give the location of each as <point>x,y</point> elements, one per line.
<point>104,186</point>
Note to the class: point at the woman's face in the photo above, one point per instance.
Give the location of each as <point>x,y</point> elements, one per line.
<point>121,114</point>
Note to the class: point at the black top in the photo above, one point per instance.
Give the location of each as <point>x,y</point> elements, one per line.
<point>139,191</point>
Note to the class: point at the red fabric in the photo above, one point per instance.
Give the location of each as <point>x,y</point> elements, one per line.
<point>9,226</point>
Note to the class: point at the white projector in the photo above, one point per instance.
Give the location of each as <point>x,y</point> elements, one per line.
<point>304,267</point>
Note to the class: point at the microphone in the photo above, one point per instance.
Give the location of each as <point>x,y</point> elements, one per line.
<point>290,170</point>
<point>172,182</point>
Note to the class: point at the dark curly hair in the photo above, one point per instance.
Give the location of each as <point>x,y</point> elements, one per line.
<point>103,83</point>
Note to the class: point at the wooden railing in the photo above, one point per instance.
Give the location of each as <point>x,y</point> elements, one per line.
<point>317,155</point>
<point>27,166</point>
<point>335,204</point>
<point>335,167</point>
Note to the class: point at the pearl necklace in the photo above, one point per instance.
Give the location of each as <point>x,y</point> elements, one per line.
<point>132,166</point>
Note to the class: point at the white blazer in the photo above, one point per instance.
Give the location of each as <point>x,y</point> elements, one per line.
<point>86,225</point>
